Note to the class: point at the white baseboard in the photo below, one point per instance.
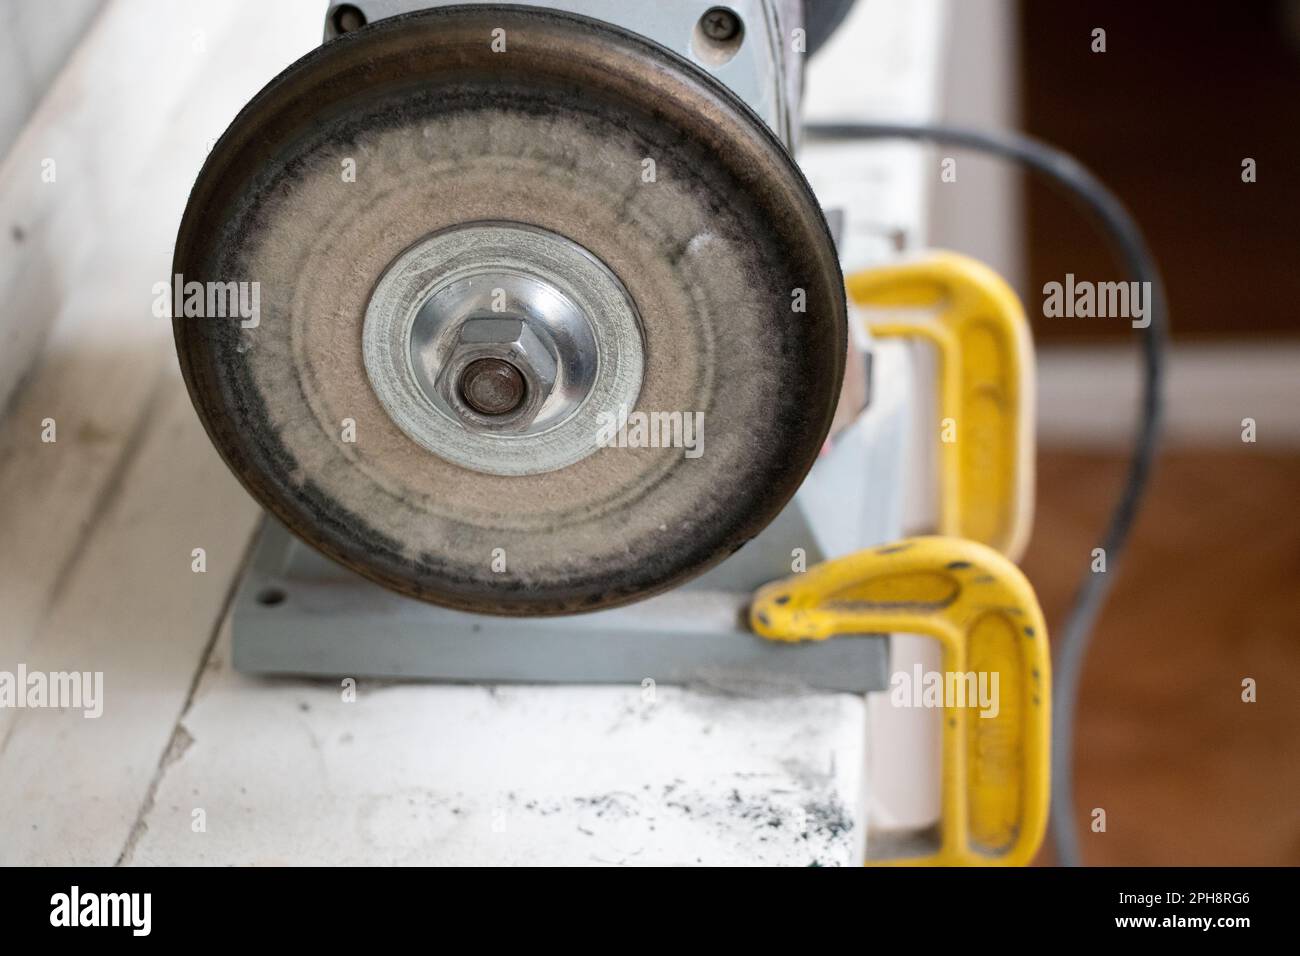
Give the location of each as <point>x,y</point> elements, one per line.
<point>1088,396</point>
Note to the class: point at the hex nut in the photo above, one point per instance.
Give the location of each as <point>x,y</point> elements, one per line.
<point>510,340</point>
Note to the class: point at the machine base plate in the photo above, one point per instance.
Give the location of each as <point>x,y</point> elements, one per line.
<point>298,613</point>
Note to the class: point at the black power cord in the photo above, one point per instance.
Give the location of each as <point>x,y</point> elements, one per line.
<point>1109,213</point>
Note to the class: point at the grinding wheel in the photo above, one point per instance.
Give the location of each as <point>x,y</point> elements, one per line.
<point>410,177</point>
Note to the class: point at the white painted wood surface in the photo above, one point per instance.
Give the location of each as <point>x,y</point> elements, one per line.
<point>96,571</point>
<point>289,771</point>
<point>93,188</point>
<point>130,606</point>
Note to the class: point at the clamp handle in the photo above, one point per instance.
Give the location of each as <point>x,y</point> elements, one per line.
<point>986,387</point>
<point>984,613</point>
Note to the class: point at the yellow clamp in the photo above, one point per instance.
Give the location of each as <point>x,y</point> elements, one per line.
<point>986,388</point>
<point>983,612</point>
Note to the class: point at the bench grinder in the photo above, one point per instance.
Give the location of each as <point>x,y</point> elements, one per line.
<point>551,323</point>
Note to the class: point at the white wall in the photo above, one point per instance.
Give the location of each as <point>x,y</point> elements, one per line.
<point>37,38</point>
<point>982,213</point>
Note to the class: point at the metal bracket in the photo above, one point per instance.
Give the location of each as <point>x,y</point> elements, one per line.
<point>298,613</point>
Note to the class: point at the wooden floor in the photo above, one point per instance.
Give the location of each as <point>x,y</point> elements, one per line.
<point>1210,594</point>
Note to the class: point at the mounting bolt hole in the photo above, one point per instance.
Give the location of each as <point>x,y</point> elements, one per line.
<point>347,18</point>
<point>270,597</point>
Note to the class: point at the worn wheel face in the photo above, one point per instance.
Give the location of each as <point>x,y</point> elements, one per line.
<point>378,191</point>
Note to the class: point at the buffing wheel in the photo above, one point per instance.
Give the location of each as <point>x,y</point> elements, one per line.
<point>513,165</point>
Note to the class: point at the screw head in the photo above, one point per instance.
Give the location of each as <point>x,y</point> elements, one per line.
<point>720,24</point>
<point>492,386</point>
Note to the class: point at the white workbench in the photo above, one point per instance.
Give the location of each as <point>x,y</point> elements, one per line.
<point>194,763</point>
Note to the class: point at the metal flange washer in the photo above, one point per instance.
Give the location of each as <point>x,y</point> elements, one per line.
<point>559,326</point>
<point>481,234</point>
